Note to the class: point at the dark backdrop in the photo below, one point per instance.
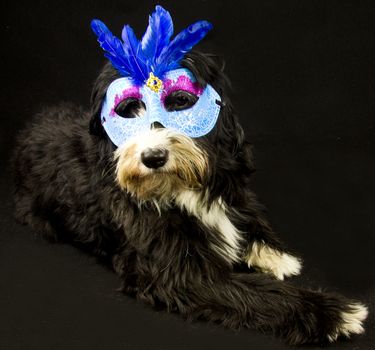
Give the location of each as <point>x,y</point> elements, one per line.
<point>304,89</point>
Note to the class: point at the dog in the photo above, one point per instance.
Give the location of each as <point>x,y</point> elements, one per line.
<point>173,215</point>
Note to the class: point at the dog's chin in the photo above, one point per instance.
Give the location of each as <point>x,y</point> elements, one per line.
<point>161,186</point>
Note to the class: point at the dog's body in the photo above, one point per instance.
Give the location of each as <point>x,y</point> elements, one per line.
<point>180,235</point>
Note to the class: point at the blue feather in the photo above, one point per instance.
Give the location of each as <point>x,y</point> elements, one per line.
<point>183,42</point>
<point>136,59</point>
<point>157,35</point>
<point>98,27</point>
<point>155,53</point>
<point>111,45</point>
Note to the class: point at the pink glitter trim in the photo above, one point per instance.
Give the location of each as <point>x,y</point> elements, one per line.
<point>183,83</point>
<point>130,92</point>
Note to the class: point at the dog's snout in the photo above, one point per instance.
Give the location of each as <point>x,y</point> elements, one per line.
<point>154,157</point>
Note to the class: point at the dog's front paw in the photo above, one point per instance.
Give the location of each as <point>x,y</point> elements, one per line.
<point>272,261</point>
<point>351,322</point>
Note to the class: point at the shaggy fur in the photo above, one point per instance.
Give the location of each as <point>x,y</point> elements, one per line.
<point>181,237</point>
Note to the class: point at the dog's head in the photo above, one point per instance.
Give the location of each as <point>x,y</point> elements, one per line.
<point>161,162</point>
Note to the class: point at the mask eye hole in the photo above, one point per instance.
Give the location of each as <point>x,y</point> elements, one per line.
<point>179,100</point>
<point>130,107</point>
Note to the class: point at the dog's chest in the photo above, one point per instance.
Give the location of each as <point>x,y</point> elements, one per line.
<point>216,220</point>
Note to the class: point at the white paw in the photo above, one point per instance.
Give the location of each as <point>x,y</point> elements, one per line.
<point>352,322</point>
<point>272,261</point>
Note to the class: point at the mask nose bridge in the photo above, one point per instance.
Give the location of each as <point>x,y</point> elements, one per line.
<point>154,109</point>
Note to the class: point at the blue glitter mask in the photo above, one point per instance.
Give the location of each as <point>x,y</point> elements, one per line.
<point>151,71</point>
<point>195,121</point>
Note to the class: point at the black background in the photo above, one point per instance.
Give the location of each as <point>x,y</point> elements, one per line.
<point>303,75</point>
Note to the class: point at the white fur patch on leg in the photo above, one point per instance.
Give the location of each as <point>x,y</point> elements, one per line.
<point>352,322</point>
<point>272,261</point>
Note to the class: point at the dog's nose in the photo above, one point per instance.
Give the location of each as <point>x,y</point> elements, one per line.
<point>154,157</point>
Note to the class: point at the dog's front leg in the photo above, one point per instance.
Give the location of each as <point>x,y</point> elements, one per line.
<point>265,251</point>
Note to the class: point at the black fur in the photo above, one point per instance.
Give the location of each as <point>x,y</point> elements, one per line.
<point>65,188</point>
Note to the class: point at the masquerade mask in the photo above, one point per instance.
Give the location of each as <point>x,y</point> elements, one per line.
<point>154,87</point>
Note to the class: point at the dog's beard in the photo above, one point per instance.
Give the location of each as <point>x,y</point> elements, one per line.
<point>185,168</point>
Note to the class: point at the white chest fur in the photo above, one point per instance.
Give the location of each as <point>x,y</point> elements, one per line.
<point>215,217</point>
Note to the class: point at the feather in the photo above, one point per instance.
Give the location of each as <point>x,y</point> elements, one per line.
<point>183,42</point>
<point>157,35</point>
<point>155,53</point>
<point>111,45</point>
<point>136,59</point>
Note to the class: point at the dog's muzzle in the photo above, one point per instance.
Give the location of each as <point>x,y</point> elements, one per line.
<point>159,164</point>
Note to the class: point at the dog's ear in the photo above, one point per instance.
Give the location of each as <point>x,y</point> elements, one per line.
<point>207,69</point>
<point>235,159</point>
<point>231,138</point>
<point>107,75</point>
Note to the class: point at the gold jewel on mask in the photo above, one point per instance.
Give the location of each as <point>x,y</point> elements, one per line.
<point>154,83</point>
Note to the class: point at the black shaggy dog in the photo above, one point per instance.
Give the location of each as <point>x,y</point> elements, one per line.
<point>181,228</point>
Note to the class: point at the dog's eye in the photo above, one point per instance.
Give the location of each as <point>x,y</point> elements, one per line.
<point>179,100</point>
<point>131,107</point>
